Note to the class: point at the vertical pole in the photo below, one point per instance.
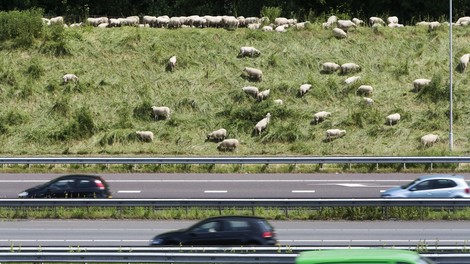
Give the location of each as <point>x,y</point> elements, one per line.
<point>451,136</point>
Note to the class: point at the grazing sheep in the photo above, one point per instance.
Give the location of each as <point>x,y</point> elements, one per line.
<point>263,95</point>
<point>248,51</point>
<point>339,33</point>
<point>464,62</point>
<point>392,20</point>
<point>352,79</point>
<point>103,25</point>
<point>281,29</point>
<point>329,67</point>
<point>357,21</point>
<point>262,124</point>
<point>254,26</point>
<point>346,25</point>
<point>229,144</point>
<point>161,111</point>
<point>422,23</point>
<point>230,22</point>
<point>254,74</point>
<point>463,21</point>
<point>278,101</point>
<point>304,88</point>
<point>365,90</point>
<point>429,139</point>
<point>350,67</point>
<point>302,25</point>
<point>393,119</point>
<point>175,22</point>
<point>267,28</point>
<point>280,21</point>
<point>433,26</point>
<point>376,20</point>
<point>217,135</point>
<point>146,136</point>
<point>70,77</point>
<point>251,90</point>
<point>56,20</point>
<point>368,101</point>
<point>334,133</point>
<point>419,84</point>
<point>393,25</point>
<point>320,116</point>
<point>171,63</point>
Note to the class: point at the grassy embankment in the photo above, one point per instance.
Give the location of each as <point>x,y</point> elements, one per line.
<point>122,74</point>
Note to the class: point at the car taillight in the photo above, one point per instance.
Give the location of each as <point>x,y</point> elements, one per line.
<point>267,234</point>
<point>99,184</point>
<point>467,190</point>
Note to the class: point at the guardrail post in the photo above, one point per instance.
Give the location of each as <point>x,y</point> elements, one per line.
<point>404,166</point>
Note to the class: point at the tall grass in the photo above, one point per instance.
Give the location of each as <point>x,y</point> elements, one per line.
<point>122,74</point>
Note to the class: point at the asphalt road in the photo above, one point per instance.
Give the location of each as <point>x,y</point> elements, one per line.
<point>179,185</point>
<point>315,233</point>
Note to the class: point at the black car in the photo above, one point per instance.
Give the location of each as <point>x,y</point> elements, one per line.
<point>221,231</point>
<point>70,186</point>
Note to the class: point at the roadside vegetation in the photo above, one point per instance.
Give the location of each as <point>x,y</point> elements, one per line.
<point>122,74</point>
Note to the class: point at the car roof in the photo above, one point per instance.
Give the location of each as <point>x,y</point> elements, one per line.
<point>96,177</point>
<point>227,217</point>
<point>441,176</point>
<point>355,255</point>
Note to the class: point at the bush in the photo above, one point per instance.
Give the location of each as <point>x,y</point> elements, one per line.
<point>21,27</point>
<point>82,126</point>
<point>271,12</point>
<point>55,42</point>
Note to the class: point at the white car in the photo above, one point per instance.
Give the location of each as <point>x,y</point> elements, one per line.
<point>432,186</point>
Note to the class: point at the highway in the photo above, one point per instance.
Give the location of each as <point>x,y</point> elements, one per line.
<point>135,233</point>
<point>190,185</point>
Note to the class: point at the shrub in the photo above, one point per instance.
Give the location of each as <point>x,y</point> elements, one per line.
<point>81,126</point>
<point>21,27</point>
<point>271,12</point>
<point>55,43</point>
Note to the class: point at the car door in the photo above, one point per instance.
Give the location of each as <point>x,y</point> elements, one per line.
<point>61,189</point>
<point>207,233</point>
<point>237,232</point>
<point>85,188</point>
<point>422,189</point>
<point>443,188</point>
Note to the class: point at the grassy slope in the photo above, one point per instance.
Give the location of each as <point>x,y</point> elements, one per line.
<point>122,73</point>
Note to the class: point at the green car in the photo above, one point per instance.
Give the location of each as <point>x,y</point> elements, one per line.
<point>361,256</point>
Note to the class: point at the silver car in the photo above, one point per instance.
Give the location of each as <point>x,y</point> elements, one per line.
<point>433,186</point>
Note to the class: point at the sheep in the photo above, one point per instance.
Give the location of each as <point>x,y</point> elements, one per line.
<point>267,28</point>
<point>230,22</point>
<point>350,67</point>
<point>70,77</point>
<point>163,21</point>
<point>150,20</point>
<point>357,21</point>
<point>393,119</point>
<point>175,22</point>
<point>302,25</point>
<point>280,21</point>
<point>229,144</point>
<point>464,62</point>
<point>368,101</point>
<point>254,26</point>
<point>254,74</point>
<point>346,25</point>
<point>433,26</point>
<point>263,95</point>
<point>376,20</point>
<point>103,25</point>
<point>329,67</point>
<point>429,139</point>
<point>339,33</point>
<point>248,51</point>
<point>331,20</point>
<point>171,63</point>
<point>56,20</point>
<point>146,136</point>
<point>392,20</point>
<point>161,111</point>
<point>278,102</point>
<point>320,116</point>
<point>262,124</point>
<point>251,90</point>
<point>352,79</point>
<point>422,23</point>
<point>281,29</point>
<point>334,133</point>
<point>304,88</point>
<point>463,21</point>
<point>393,25</point>
<point>131,21</point>
<point>419,84</point>
<point>115,22</point>
<point>364,89</point>
<point>217,135</point>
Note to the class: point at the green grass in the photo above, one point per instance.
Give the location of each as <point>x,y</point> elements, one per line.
<point>122,74</point>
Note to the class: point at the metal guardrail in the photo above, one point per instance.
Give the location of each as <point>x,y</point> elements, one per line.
<point>282,203</point>
<point>233,160</point>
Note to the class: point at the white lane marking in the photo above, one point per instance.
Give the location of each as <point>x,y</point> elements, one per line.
<point>352,184</point>
<point>129,191</point>
<point>215,191</point>
<point>303,191</point>
<point>266,180</point>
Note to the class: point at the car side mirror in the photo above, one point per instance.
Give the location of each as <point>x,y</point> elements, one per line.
<point>413,189</point>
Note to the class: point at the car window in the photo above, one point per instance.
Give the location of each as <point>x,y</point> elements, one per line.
<point>212,226</point>
<point>62,184</point>
<point>444,183</point>
<point>85,183</point>
<point>238,225</point>
<point>425,185</point>
<point>265,225</point>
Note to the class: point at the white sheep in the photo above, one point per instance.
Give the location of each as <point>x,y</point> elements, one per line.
<point>279,21</point>
<point>346,25</point>
<point>248,51</point>
<point>433,26</point>
<point>262,124</point>
<point>320,116</point>
<point>171,63</point>
<point>161,111</point>
<point>368,101</point>
<point>352,79</point>
<point>302,25</point>
<point>429,139</point>
<point>263,95</point>
<point>304,88</point>
<point>251,90</point>
<point>376,20</point>
<point>229,144</point>
<point>392,20</point>
<point>350,67</point>
<point>145,135</point>
<point>422,23</point>
<point>230,22</point>
<point>357,21</point>
<point>150,20</point>
<point>329,67</point>
<point>339,33</point>
<point>217,135</point>
<point>463,64</point>
<point>254,74</point>
<point>334,133</point>
<point>281,29</point>
<point>463,21</point>
<point>393,25</point>
<point>56,20</point>
<point>278,101</point>
<point>175,22</point>
<point>331,20</point>
<point>393,118</point>
<point>267,28</point>
<point>254,26</point>
<point>70,77</point>
<point>419,84</point>
<point>365,90</point>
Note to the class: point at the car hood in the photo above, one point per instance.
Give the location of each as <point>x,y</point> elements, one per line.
<point>394,192</point>
<point>170,234</point>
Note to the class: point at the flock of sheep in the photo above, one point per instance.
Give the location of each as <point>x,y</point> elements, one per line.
<point>340,30</point>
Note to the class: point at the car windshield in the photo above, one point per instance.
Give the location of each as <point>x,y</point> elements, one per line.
<point>409,184</point>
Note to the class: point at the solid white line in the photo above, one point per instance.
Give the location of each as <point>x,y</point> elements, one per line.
<point>129,191</point>
<point>215,191</point>
<point>303,191</point>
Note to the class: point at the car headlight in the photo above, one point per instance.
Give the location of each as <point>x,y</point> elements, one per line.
<point>157,241</point>
<point>23,194</point>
